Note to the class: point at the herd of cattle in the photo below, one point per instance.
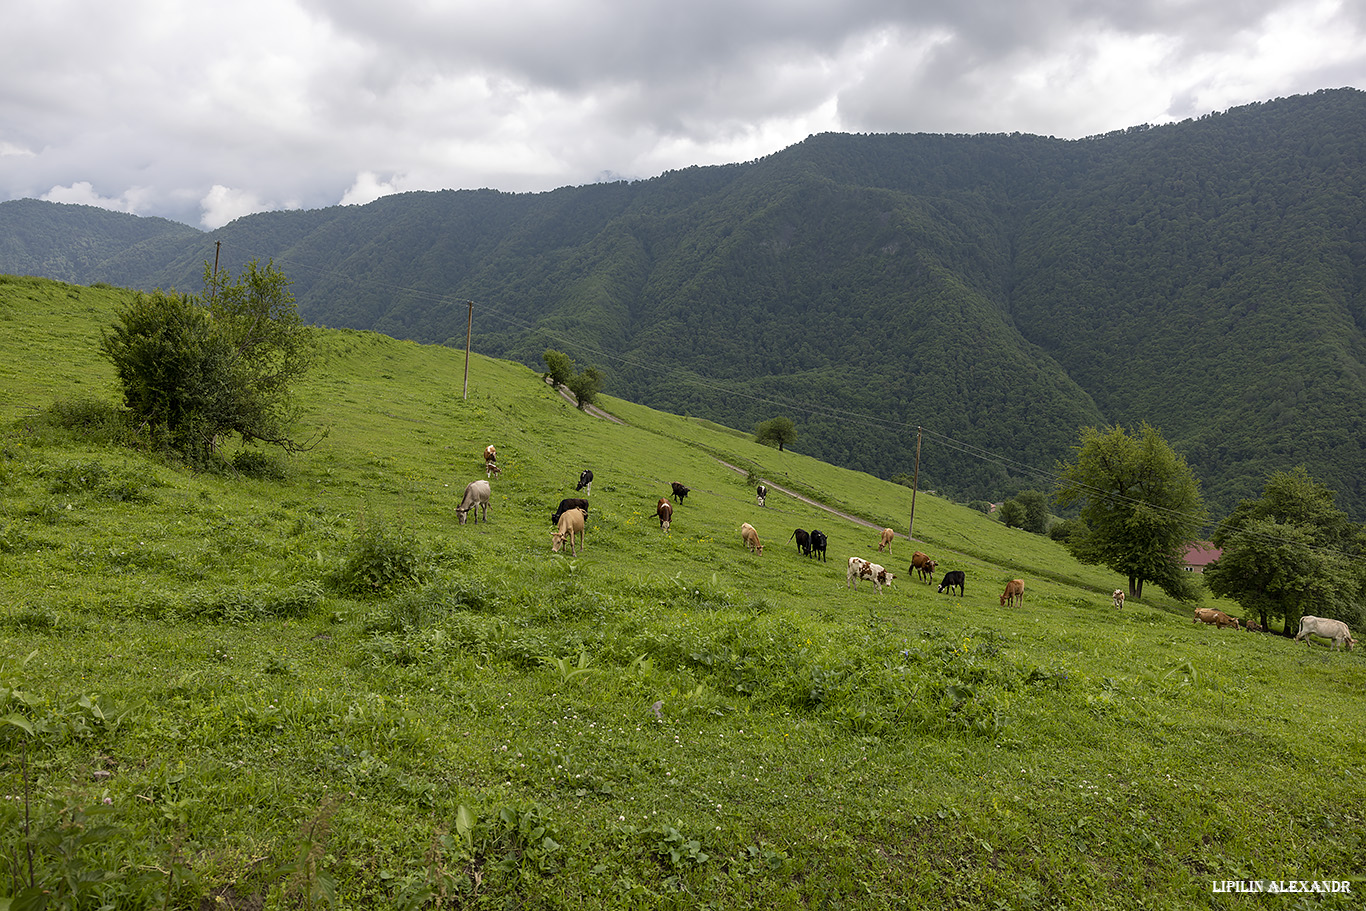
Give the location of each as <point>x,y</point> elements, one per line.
<point>570,516</point>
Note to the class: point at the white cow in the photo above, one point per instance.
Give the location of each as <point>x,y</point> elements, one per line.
<point>860,568</point>
<point>1328,629</point>
<point>1118,597</point>
<point>477,498</point>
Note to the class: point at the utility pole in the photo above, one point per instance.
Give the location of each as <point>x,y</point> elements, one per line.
<point>915,485</point>
<point>217,248</point>
<point>469,330</point>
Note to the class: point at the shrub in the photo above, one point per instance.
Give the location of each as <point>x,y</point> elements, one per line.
<point>380,560</point>
<point>263,466</point>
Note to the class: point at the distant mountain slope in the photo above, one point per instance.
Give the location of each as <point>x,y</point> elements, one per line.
<point>1000,291</point>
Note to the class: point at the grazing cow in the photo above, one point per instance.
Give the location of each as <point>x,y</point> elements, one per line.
<point>1216,617</point>
<point>491,469</point>
<point>886,540</point>
<point>1118,597</point>
<point>952,579</point>
<point>586,482</point>
<point>567,504</point>
<point>922,564</point>
<point>860,568</point>
<point>680,492</point>
<point>818,542</point>
<point>803,542</point>
<point>1252,626</point>
<point>761,493</point>
<point>664,509</point>
<point>751,538</point>
<point>1014,593</point>
<point>476,498</point>
<point>1328,629</point>
<point>570,524</point>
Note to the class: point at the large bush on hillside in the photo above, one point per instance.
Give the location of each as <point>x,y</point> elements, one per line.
<point>194,371</point>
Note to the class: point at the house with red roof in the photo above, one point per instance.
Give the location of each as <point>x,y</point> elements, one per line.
<point>1199,555</point>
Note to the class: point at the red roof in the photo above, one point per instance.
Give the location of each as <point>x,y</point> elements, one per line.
<point>1201,554</point>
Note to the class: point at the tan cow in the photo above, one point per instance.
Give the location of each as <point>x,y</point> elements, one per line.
<point>921,563</point>
<point>1014,593</point>
<point>476,498</point>
<point>571,521</point>
<point>1118,597</point>
<point>1216,617</point>
<point>750,537</point>
<point>860,568</point>
<point>886,540</point>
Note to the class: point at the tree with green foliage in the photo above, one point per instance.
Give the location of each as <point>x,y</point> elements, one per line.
<point>1290,553</point>
<point>1141,507</point>
<point>559,367</point>
<point>194,371</point>
<point>776,431</point>
<point>1012,514</point>
<point>585,386</point>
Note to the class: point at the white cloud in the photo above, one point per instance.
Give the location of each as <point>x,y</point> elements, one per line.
<point>316,102</point>
<point>83,193</point>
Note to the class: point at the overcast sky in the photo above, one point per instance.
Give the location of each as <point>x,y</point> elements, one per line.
<point>204,112</point>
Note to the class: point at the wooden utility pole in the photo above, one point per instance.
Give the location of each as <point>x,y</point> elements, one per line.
<point>915,485</point>
<point>469,330</point>
<point>217,248</point>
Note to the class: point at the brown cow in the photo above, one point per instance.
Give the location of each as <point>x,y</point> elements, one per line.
<point>664,509</point>
<point>1118,597</point>
<point>1014,593</point>
<point>886,540</point>
<point>1216,617</point>
<point>751,538</point>
<point>570,522</point>
<point>491,469</point>
<point>922,564</point>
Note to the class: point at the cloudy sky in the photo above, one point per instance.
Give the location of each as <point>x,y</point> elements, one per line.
<point>205,112</point>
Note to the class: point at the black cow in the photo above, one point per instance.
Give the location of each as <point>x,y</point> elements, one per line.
<point>818,542</point>
<point>951,579</point>
<point>803,542</point>
<point>586,481</point>
<point>566,505</point>
<point>760,493</point>
<point>680,492</point>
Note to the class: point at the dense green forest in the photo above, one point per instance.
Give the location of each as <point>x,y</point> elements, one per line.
<point>998,291</point>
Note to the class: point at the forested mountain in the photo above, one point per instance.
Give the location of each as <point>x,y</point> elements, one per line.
<point>1000,291</point>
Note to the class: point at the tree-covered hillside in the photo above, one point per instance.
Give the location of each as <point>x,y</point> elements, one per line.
<point>1000,291</point>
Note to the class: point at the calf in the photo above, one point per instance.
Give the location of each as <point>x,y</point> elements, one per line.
<point>818,542</point>
<point>1014,593</point>
<point>476,498</point>
<point>750,537</point>
<point>761,494</point>
<point>570,523</point>
<point>886,540</point>
<point>922,564</point>
<point>952,579</point>
<point>680,492</point>
<point>1328,629</point>
<point>1252,626</point>
<point>491,469</point>
<point>664,509</point>
<point>568,504</point>
<point>803,542</point>
<point>860,568</point>
<point>1118,597</point>
<point>586,482</point>
<point>1216,617</point>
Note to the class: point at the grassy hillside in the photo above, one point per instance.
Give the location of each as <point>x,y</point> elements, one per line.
<point>196,710</point>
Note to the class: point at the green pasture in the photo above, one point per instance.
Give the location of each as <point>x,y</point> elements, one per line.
<point>311,687</point>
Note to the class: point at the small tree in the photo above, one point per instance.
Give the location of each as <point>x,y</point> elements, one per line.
<point>1035,506</point>
<point>585,386</point>
<point>559,367</point>
<point>195,371</point>
<point>779,431</point>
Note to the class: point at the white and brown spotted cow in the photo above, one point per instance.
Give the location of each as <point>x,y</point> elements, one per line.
<point>860,568</point>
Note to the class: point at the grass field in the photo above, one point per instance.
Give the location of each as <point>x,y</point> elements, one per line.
<point>310,687</point>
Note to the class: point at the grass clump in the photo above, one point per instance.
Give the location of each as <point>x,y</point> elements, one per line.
<point>381,560</point>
